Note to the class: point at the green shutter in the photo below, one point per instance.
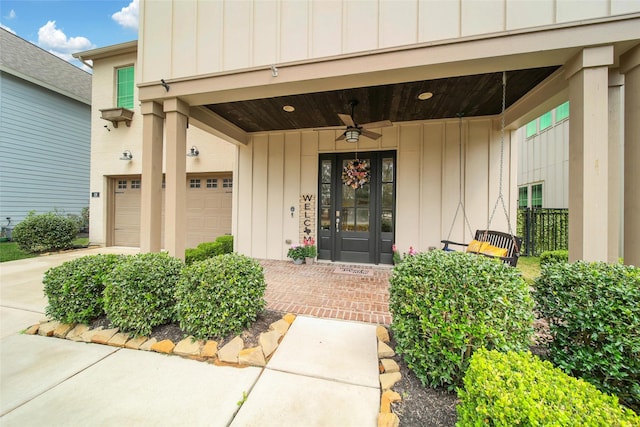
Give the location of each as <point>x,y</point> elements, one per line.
<point>562,112</point>
<point>125,87</point>
<point>532,129</point>
<point>545,120</point>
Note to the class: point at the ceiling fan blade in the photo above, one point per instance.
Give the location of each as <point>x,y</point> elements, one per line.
<point>380,124</point>
<point>341,137</point>
<point>347,119</point>
<point>330,128</point>
<point>369,134</point>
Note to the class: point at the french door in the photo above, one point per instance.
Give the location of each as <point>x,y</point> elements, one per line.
<point>357,216</point>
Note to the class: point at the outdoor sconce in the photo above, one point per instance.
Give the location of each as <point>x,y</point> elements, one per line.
<point>352,135</point>
<point>193,152</point>
<point>126,155</point>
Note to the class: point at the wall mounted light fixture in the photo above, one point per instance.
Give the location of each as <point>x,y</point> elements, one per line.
<point>193,152</point>
<point>126,155</point>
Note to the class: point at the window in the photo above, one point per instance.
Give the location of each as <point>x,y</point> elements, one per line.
<point>523,197</point>
<point>194,183</point>
<point>562,112</point>
<point>122,185</point>
<point>135,183</point>
<point>546,120</point>
<point>212,183</point>
<point>532,128</point>
<point>124,87</point>
<point>227,183</point>
<point>536,196</point>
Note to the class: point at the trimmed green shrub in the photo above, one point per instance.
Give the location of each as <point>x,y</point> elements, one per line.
<point>139,292</point>
<point>220,295</point>
<point>445,305</point>
<point>74,289</point>
<point>222,245</point>
<point>554,257</point>
<point>593,310</point>
<point>45,232</point>
<point>519,389</point>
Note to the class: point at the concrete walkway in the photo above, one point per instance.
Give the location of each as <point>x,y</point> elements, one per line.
<point>324,373</point>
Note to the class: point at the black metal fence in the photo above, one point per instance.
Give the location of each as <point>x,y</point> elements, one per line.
<point>543,229</point>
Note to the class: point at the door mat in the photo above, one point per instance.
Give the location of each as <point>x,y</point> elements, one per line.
<point>354,271</point>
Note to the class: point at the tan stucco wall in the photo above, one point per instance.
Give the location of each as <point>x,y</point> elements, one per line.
<point>107,146</point>
<point>276,168</point>
<point>231,34</point>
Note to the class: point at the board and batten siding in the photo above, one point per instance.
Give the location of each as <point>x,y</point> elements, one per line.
<point>202,36</point>
<point>44,150</point>
<point>275,168</point>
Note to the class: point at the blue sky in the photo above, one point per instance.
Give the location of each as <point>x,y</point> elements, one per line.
<point>64,27</point>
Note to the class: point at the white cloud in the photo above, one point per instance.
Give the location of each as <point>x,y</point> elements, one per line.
<point>128,16</point>
<point>12,14</point>
<point>56,41</point>
<point>7,28</point>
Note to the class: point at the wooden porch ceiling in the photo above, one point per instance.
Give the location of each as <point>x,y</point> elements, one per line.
<point>476,95</point>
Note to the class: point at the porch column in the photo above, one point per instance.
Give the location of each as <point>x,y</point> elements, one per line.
<point>616,162</point>
<point>588,77</point>
<point>177,113</point>
<point>151,192</point>
<point>630,67</point>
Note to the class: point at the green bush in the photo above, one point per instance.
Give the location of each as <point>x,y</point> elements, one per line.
<point>554,257</point>
<point>45,232</point>
<point>445,305</point>
<point>220,295</point>
<point>593,311</point>
<point>519,389</point>
<point>139,292</point>
<point>222,245</point>
<point>74,289</point>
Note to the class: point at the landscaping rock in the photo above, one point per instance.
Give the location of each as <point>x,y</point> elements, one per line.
<point>136,342</point>
<point>281,326</point>
<point>62,330</point>
<point>88,335</point>
<point>146,346</point>
<point>210,349</point>
<point>390,365</point>
<point>269,342</point>
<point>32,330</point>
<point>188,347</point>
<point>252,356</point>
<point>387,398</point>
<point>103,336</point>
<point>118,340</point>
<point>46,329</point>
<point>384,351</point>
<point>229,353</point>
<point>76,333</point>
<point>164,346</point>
<point>388,420</point>
<point>382,333</point>
<point>289,318</point>
<point>388,380</point>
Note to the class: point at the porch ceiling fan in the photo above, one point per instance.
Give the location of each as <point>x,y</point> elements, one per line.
<point>354,130</point>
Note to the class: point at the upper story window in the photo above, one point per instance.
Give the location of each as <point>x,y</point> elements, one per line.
<point>124,87</point>
<point>562,112</point>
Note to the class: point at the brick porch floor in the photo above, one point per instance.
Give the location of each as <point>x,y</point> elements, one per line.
<point>315,290</point>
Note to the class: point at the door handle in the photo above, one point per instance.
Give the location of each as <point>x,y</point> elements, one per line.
<point>337,224</point>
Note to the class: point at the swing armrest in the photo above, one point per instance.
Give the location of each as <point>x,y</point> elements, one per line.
<point>450,242</point>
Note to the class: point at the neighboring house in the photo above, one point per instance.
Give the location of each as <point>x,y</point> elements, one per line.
<point>270,78</point>
<point>116,160</point>
<point>543,160</point>
<point>45,131</point>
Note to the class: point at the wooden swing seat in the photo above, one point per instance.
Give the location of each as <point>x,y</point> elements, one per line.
<point>497,239</point>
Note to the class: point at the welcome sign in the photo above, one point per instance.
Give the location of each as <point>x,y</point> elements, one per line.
<point>307,218</point>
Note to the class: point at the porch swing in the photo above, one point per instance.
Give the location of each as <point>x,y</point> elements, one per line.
<point>487,242</point>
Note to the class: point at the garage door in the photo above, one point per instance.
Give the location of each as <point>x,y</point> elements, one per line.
<point>208,209</point>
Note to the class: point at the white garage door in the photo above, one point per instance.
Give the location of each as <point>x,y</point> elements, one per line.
<point>208,209</point>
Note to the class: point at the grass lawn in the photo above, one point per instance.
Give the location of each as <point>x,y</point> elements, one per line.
<point>9,251</point>
<point>530,267</point>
